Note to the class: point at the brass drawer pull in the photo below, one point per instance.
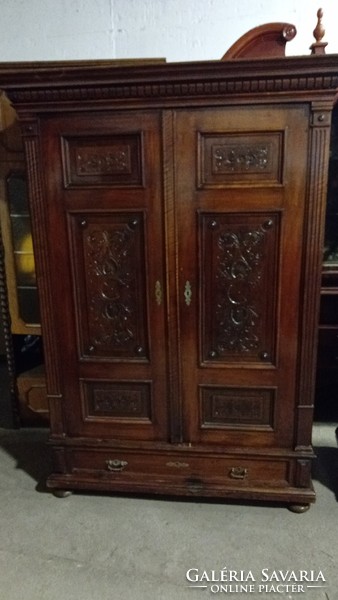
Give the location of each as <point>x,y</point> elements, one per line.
<point>158,293</point>
<point>238,473</point>
<point>116,465</point>
<point>177,464</point>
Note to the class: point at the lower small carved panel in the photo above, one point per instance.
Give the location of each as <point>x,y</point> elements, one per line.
<point>237,407</point>
<point>117,401</point>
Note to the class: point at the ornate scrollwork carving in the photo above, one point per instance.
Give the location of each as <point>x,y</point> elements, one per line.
<point>229,159</point>
<point>118,402</point>
<point>112,284</point>
<point>240,261</point>
<point>114,161</point>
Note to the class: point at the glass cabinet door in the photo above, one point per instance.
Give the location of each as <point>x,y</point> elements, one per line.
<point>16,228</point>
<point>331,228</point>
<point>26,288</point>
<point>326,405</point>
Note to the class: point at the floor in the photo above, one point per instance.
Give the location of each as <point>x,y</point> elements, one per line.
<point>101,547</point>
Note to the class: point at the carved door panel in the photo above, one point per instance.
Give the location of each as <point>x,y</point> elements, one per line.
<point>240,182</point>
<point>105,227</point>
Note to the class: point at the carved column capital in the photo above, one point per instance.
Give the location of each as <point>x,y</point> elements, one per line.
<point>321,114</point>
<point>29,127</point>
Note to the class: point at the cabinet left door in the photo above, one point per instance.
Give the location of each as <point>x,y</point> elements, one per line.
<point>105,236</point>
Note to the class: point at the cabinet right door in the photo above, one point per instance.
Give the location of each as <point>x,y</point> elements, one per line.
<point>240,203</point>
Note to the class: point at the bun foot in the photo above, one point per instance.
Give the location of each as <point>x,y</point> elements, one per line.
<point>299,508</point>
<point>62,493</point>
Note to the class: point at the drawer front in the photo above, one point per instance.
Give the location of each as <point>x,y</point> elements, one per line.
<point>184,469</point>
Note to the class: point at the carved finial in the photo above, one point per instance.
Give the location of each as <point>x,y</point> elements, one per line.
<point>318,33</point>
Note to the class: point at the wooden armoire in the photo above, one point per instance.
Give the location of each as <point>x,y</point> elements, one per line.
<point>177,214</point>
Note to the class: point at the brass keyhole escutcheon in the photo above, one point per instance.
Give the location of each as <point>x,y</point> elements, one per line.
<point>158,293</point>
<point>187,293</point>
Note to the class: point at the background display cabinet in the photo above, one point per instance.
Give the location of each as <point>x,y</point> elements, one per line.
<point>327,368</point>
<point>23,332</point>
<point>178,216</point>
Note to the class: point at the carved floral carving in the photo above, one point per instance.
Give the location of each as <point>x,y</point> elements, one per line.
<point>119,400</point>
<point>102,160</point>
<point>236,409</point>
<point>229,158</point>
<point>237,406</point>
<point>107,162</point>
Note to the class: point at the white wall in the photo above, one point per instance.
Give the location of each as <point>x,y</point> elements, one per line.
<point>175,29</point>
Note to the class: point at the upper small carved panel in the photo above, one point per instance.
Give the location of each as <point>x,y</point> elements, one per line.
<point>240,159</point>
<point>111,161</point>
<point>232,159</point>
<point>102,161</point>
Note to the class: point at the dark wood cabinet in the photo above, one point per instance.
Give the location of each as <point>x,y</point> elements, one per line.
<point>178,218</point>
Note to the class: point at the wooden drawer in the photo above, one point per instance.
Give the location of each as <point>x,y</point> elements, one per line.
<point>188,469</point>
